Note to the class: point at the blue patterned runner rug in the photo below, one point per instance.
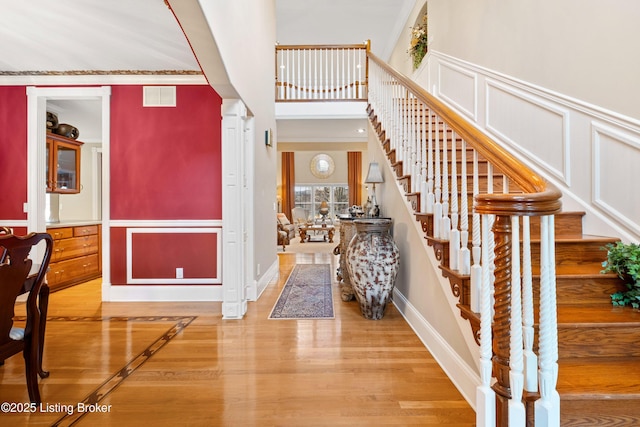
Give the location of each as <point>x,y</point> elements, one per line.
<point>306,295</point>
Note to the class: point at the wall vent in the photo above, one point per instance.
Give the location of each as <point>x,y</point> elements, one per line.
<point>159,96</point>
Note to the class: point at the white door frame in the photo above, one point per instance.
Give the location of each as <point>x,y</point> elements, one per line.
<point>37,98</point>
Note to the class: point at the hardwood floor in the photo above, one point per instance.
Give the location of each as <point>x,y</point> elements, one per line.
<point>169,364</point>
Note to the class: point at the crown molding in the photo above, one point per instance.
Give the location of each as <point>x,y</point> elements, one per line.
<point>101,77</point>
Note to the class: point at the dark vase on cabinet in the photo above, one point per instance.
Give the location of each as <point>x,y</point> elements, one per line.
<point>63,164</point>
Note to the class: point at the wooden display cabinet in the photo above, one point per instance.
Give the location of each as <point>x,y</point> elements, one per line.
<point>63,164</point>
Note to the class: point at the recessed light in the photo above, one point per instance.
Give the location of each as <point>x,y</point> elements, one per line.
<point>360,130</point>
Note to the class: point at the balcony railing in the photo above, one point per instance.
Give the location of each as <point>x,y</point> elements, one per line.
<point>322,73</point>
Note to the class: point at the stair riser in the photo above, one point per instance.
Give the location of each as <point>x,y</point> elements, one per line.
<point>593,341</point>
<point>574,253</point>
<point>589,291</point>
<point>583,290</point>
<point>568,254</point>
<point>601,413</point>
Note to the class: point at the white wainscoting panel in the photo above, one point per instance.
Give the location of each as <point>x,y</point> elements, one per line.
<point>615,179</point>
<point>587,151</point>
<point>459,88</point>
<point>532,126</point>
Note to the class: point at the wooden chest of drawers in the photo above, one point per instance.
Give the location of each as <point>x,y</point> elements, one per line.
<point>76,255</point>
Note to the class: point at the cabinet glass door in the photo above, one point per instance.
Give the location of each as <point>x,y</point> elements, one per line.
<point>63,165</point>
<point>66,162</point>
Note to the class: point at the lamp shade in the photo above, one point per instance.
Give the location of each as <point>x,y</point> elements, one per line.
<point>324,208</point>
<point>374,176</point>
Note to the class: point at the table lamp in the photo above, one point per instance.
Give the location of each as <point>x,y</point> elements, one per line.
<point>374,176</point>
<point>324,211</point>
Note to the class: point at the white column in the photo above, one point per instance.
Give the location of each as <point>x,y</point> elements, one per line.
<point>234,300</point>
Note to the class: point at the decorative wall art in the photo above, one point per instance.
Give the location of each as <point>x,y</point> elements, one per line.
<point>322,166</point>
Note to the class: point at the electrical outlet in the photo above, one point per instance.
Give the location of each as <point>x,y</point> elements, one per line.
<point>179,273</point>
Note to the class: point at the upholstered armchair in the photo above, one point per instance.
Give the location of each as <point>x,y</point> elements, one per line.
<point>286,225</point>
<point>299,216</point>
<point>283,237</point>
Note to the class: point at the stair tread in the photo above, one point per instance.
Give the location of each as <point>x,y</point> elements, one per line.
<point>614,377</point>
<point>587,270</point>
<point>598,315</point>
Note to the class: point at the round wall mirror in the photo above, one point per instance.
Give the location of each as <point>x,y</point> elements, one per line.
<point>322,166</point>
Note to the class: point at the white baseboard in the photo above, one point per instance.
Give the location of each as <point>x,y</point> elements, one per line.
<point>138,293</point>
<point>270,275</point>
<point>463,377</point>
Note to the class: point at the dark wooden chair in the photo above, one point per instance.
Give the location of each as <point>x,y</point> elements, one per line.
<point>3,252</point>
<point>19,275</point>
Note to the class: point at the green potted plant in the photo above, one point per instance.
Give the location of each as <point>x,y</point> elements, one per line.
<point>624,260</point>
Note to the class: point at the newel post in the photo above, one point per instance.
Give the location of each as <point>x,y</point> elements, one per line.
<point>502,316</point>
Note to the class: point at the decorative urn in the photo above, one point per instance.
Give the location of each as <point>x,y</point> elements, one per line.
<point>372,263</point>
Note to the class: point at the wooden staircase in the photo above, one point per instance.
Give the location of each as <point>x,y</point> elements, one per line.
<point>599,345</point>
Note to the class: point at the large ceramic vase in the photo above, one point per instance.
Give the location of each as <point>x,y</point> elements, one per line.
<point>372,262</point>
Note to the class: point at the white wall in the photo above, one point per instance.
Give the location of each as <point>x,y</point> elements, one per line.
<point>585,49</point>
<point>79,207</point>
<point>562,100</point>
<point>303,168</point>
<point>86,116</point>
<point>422,295</point>
<point>244,32</point>
<point>305,151</point>
<point>556,83</point>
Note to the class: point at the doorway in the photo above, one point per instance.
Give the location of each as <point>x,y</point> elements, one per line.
<point>38,101</point>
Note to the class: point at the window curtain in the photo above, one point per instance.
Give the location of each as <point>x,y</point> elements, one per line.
<point>288,183</point>
<point>354,176</point>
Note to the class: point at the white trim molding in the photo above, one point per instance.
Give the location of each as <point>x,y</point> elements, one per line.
<point>615,195</point>
<point>145,280</point>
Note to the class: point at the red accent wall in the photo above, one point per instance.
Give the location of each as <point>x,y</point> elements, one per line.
<point>165,165</point>
<point>13,152</point>
<point>118,257</point>
<point>166,161</point>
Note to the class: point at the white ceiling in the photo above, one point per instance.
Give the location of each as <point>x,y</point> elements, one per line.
<point>73,35</point>
<point>89,36</point>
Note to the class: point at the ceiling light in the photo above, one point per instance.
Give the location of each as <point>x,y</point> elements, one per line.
<point>361,130</point>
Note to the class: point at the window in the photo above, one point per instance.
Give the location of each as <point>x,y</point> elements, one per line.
<point>310,196</point>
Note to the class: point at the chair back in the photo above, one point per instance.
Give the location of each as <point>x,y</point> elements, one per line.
<point>15,272</point>
<point>299,215</point>
<point>3,252</point>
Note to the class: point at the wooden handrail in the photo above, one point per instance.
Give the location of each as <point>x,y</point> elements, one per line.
<point>545,203</point>
<point>321,46</point>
